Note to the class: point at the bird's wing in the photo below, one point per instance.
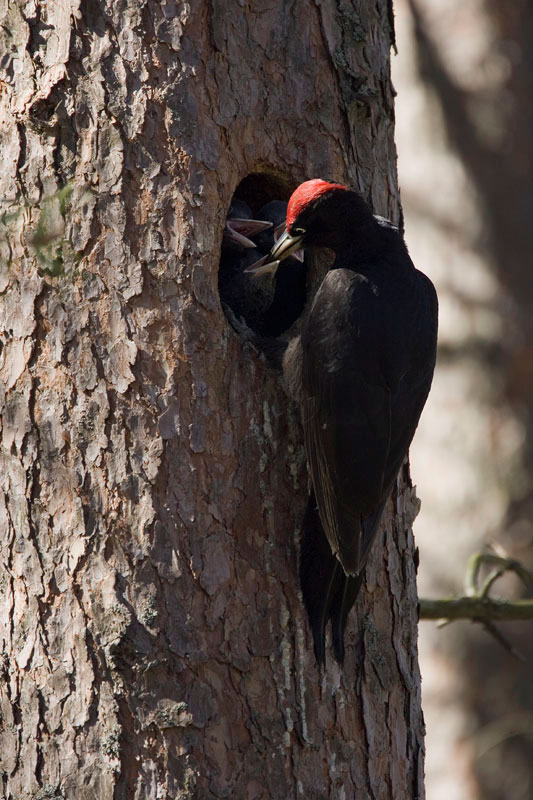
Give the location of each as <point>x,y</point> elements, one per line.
<point>346,411</point>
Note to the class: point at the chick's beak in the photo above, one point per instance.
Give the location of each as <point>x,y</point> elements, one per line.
<point>285,245</point>
<point>237,231</point>
<point>260,268</point>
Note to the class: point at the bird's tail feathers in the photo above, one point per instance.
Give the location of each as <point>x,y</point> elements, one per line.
<point>327,591</point>
<point>320,577</point>
<point>369,529</point>
<point>340,608</point>
<point>349,589</point>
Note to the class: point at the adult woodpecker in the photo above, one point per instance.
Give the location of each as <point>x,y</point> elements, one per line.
<point>361,371</point>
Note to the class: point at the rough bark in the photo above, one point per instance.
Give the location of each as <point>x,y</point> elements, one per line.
<point>153,639</point>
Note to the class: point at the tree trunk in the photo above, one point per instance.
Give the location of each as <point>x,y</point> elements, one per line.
<point>154,642</point>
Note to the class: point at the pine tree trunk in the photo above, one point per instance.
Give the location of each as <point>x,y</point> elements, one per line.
<point>154,642</point>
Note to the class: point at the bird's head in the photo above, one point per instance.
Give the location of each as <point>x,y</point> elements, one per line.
<point>321,214</point>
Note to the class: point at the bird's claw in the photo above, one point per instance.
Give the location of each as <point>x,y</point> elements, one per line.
<point>239,326</point>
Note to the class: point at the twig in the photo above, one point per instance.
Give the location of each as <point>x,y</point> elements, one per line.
<point>491,628</point>
<point>477,605</point>
<point>502,564</point>
<point>483,609</point>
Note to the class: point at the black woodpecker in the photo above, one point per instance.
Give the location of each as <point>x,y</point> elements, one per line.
<point>247,299</point>
<point>240,226</point>
<point>290,292</point>
<point>361,371</point>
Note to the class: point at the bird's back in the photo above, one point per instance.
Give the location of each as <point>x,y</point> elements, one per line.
<point>368,355</point>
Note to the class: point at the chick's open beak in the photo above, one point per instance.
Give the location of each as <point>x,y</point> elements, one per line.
<point>237,231</point>
<point>259,268</point>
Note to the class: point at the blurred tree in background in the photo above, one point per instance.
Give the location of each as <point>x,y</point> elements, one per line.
<point>465,77</point>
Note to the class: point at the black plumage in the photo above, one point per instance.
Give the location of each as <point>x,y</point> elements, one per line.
<point>269,300</point>
<point>240,226</point>
<point>248,299</point>
<point>290,284</point>
<point>362,369</point>
<point>275,212</point>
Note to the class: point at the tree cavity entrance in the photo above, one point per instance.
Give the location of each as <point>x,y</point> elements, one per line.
<point>271,302</point>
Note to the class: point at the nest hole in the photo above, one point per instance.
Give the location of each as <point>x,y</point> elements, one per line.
<point>269,304</point>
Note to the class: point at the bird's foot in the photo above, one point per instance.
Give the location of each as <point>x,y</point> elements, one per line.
<point>239,326</point>
<point>272,349</point>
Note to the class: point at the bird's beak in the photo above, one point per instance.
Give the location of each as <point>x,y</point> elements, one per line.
<point>279,230</point>
<point>233,237</point>
<point>259,268</point>
<point>249,227</point>
<point>238,231</point>
<point>286,245</point>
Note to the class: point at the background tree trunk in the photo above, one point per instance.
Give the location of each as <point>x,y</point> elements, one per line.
<point>154,643</point>
<point>464,79</point>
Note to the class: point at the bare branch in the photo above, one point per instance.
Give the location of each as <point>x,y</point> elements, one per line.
<point>475,608</point>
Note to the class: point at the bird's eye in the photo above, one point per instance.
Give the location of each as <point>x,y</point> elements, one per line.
<point>298,231</point>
